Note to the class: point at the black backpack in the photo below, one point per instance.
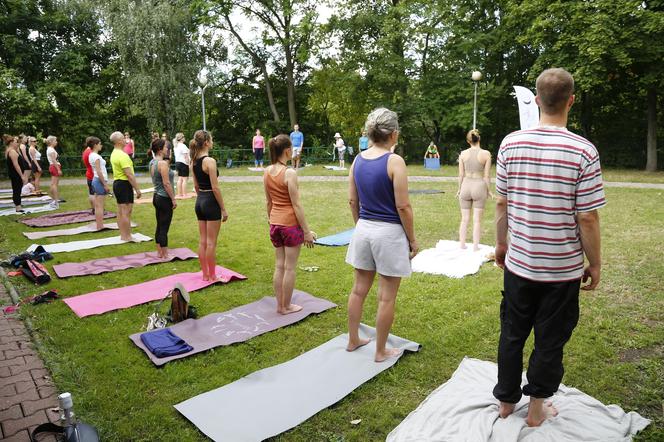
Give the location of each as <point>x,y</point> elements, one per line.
<point>35,272</point>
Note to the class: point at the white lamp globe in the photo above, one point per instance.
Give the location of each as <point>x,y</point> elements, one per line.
<point>202,77</point>
<point>477,76</point>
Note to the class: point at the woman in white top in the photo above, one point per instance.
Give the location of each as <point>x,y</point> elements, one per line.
<point>341,149</point>
<point>182,160</point>
<point>54,168</point>
<point>35,158</point>
<point>100,181</point>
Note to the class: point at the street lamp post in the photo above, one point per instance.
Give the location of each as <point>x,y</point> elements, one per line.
<point>203,81</point>
<point>477,76</point>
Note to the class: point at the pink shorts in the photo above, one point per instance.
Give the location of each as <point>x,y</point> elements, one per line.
<point>286,236</point>
<point>53,170</point>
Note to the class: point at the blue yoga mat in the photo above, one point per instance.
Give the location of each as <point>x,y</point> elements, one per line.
<point>340,239</point>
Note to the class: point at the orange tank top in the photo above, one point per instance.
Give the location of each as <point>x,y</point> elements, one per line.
<point>282,213</point>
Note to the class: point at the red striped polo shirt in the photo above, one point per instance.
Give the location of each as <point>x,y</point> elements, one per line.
<point>548,175</point>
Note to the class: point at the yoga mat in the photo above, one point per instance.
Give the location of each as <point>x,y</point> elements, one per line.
<point>58,219</point>
<point>104,265</point>
<point>27,210</point>
<point>275,399</point>
<point>334,168</point>
<point>73,231</point>
<point>73,246</point>
<point>27,201</point>
<point>256,169</point>
<point>424,191</point>
<point>448,259</point>
<point>103,301</point>
<point>464,409</point>
<point>340,239</point>
<point>237,325</point>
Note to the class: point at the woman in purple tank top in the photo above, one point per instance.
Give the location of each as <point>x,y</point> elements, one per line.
<point>384,238</point>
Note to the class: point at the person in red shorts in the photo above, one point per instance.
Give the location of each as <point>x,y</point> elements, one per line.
<point>89,175</point>
<point>288,226</point>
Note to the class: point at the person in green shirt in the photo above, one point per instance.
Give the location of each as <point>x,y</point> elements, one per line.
<point>124,184</point>
<point>432,151</point>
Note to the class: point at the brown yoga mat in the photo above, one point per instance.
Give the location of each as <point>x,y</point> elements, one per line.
<point>237,325</point>
<point>104,265</point>
<point>58,219</point>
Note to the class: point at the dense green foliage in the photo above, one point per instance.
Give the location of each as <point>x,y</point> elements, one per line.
<point>78,67</point>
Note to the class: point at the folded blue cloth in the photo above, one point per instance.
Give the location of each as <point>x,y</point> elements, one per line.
<point>164,342</point>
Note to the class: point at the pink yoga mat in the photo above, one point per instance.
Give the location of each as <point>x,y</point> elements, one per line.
<point>58,219</point>
<point>104,265</point>
<point>103,301</point>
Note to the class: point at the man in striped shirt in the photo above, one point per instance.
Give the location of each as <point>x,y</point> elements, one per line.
<point>549,186</point>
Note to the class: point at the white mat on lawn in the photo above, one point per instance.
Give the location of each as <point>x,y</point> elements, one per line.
<point>256,169</point>
<point>27,210</point>
<point>89,244</point>
<point>88,228</point>
<point>464,409</point>
<point>450,260</point>
<point>334,168</point>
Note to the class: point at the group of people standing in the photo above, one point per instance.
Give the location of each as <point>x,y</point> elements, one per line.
<point>23,160</point>
<point>210,209</point>
<point>549,187</point>
<point>297,143</point>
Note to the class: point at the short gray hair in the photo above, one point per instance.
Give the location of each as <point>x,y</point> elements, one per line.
<point>116,137</point>
<point>381,123</point>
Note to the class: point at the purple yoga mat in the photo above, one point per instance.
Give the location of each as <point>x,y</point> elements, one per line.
<point>103,301</point>
<point>58,219</point>
<point>104,265</point>
<point>237,325</point>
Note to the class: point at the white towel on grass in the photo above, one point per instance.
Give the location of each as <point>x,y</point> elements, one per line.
<point>464,409</point>
<point>448,259</point>
<point>27,210</point>
<point>89,244</point>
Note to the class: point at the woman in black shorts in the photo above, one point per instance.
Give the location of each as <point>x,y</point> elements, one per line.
<point>23,158</point>
<point>210,209</point>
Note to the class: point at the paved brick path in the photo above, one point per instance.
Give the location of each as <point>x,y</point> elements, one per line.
<point>27,394</point>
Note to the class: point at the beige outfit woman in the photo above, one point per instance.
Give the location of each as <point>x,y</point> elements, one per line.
<point>474,191</point>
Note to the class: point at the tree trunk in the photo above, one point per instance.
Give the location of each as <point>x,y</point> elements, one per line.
<point>651,163</point>
<point>290,83</point>
<point>268,91</point>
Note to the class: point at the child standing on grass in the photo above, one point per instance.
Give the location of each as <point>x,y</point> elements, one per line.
<point>288,226</point>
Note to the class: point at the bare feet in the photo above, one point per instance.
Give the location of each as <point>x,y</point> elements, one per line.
<point>505,409</point>
<point>352,346</point>
<point>476,249</point>
<point>205,277</point>
<point>539,411</point>
<point>293,308</point>
<point>387,353</point>
<point>127,239</point>
<point>462,246</point>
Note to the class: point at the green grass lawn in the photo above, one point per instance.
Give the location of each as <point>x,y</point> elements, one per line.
<point>448,170</point>
<point>615,355</point>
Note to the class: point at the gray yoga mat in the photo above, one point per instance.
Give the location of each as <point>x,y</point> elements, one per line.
<point>237,325</point>
<point>275,399</point>
<point>464,409</point>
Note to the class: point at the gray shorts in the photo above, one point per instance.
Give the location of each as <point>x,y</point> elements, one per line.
<point>379,246</point>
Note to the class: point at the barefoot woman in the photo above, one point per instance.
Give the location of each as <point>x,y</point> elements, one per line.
<point>210,209</point>
<point>384,237</point>
<point>288,227</point>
